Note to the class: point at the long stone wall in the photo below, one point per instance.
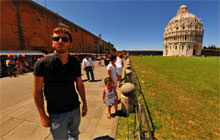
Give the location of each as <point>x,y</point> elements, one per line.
<point>204,52</point>
<point>209,52</point>
<point>26,25</point>
<point>145,52</point>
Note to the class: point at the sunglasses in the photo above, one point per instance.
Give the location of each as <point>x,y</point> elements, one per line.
<point>64,39</point>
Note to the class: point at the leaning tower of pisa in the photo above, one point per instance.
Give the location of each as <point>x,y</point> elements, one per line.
<point>183,35</point>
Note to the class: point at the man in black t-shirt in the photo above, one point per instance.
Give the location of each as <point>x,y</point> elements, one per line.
<point>54,78</point>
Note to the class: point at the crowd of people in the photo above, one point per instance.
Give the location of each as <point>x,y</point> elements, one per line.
<point>114,64</point>
<point>57,77</point>
<point>14,65</point>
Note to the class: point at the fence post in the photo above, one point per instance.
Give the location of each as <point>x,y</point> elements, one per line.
<point>128,76</point>
<point>127,97</point>
<point>148,126</point>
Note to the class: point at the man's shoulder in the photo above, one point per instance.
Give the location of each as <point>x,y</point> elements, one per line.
<point>44,59</point>
<point>109,66</point>
<point>74,59</point>
<point>84,60</point>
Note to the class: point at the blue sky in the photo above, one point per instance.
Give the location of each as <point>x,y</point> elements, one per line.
<point>136,24</point>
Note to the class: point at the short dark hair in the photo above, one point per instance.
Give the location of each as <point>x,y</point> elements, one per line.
<point>107,79</point>
<point>63,30</point>
<point>112,57</point>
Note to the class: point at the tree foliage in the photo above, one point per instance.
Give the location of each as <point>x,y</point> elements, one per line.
<point>113,48</point>
<point>213,47</point>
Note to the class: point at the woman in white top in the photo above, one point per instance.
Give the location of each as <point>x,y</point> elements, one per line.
<point>112,70</point>
<point>119,65</point>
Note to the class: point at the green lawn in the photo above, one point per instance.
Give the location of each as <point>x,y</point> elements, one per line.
<point>126,127</point>
<point>182,94</point>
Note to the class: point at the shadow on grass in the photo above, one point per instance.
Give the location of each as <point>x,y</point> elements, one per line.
<point>104,138</point>
<point>119,113</point>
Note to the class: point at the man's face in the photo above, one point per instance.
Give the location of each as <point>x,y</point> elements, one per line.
<point>61,42</point>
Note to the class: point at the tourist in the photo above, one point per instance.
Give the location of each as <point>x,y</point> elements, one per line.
<point>119,65</point>
<point>11,67</point>
<point>99,61</point>
<point>88,66</point>
<point>112,70</point>
<point>26,66</point>
<point>110,96</point>
<point>19,66</point>
<point>54,78</point>
<point>106,60</point>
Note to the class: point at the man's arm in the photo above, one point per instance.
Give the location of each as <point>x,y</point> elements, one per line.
<point>92,63</point>
<point>81,90</point>
<point>39,100</point>
<point>109,75</point>
<point>84,65</point>
<point>122,63</point>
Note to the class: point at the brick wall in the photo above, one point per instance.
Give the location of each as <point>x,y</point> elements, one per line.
<point>27,26</point>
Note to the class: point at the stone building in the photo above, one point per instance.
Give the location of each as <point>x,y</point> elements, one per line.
<point>26,25</point>
<point>183,35</point>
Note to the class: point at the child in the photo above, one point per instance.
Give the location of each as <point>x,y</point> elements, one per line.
<point>110,96</point>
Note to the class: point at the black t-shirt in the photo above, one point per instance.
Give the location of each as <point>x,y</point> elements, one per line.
<point>59,89</point>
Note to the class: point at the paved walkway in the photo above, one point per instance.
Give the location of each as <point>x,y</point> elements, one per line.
<point>21,120</point>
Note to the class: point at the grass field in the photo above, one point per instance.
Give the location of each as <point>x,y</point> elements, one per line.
<point>182,94</point>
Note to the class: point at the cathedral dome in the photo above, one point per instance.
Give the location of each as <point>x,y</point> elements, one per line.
<point>185,30</point>
<point>183,20</point>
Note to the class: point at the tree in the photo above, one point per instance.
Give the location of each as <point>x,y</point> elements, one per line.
<point>212,47</point>
<point>113,48</point>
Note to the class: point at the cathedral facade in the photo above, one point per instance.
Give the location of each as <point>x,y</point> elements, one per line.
<point>183,35</point>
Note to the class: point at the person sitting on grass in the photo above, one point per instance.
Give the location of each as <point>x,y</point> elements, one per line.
<point>110,96</point>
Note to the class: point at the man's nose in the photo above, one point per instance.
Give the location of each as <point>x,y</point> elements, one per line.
<point>60,40</point>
